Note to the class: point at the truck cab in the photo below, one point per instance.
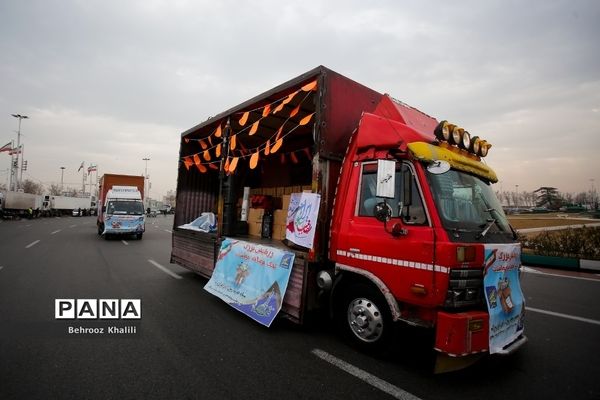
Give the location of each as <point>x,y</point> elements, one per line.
<point>122,212</point>
<point>416,234</point>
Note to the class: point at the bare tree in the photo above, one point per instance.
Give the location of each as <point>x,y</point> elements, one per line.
<point>30,186</point>
<point>55,190</point>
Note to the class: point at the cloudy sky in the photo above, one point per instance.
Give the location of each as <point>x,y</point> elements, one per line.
<point>111,82</point>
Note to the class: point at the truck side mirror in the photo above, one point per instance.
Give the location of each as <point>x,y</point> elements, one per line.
<point>382,212</point>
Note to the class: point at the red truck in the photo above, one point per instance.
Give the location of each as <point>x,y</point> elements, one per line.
<point>409,228</point>
<point>121,205</point>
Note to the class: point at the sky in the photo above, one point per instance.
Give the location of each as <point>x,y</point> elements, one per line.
<point>112,82</point>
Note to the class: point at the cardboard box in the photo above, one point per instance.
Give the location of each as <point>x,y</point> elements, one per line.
<point>307,188</point>
<point>288,189</point>
<point>268,191</point>
<point>254,228</point>
<point>285,202</point>
<point>278,232</point>
<point>255,191</point>
<point>279,191</point>
<point>279,217</point>
<point>255,215</point>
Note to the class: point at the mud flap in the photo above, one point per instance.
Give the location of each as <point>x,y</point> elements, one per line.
<point>444,363</point>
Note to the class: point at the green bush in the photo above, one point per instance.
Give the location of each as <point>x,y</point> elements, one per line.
<point>577,243</point>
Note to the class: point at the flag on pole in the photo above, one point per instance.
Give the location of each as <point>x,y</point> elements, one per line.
<point>17,150</point>
<point>92,168</point>
<point>80,167</point>
<point>6,147</point>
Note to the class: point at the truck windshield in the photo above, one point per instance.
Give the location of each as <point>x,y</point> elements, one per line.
<point>467,204</point>
<point>125,207</point>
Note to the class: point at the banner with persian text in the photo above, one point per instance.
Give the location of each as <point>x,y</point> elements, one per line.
<point>252,278</point>
<point>503,294</point>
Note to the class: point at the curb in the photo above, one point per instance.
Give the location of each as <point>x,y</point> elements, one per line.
<point>560,262</point>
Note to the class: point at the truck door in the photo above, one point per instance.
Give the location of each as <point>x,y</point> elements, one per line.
<point>403,262</point>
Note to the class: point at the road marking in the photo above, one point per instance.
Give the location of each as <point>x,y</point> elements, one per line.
<point>52,233</point>
<point>72,226</point>
<point>27,226</point>
<point>165,270</point>
<point>1,267</point>
<point>535,271</point>
<point>166,230</point>
<point>32,244</point>
<point>589,321</point>
<point>372,380</point>
<point>125,243</point>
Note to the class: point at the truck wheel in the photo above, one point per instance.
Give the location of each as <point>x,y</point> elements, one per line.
<point>139,236</point>
<point>362,315</point>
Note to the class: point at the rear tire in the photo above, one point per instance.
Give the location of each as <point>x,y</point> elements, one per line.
<point>362,316</point>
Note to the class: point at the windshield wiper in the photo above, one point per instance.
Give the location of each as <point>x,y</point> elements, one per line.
<point>487,228</point>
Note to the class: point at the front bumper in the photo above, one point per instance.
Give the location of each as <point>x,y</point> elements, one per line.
<point>465,333</point>
<point>461,334</point>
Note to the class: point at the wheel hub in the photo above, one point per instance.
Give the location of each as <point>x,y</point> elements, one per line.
<point>365,320</point>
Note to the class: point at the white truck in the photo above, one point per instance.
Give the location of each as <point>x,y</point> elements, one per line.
<point>19,204</point>
<point>122,212</point>
<point>63,205</point>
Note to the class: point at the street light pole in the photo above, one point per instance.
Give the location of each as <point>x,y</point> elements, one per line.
<point>146,182</point>
<point>20,167</point>
<point>592,194</point>
<point>62,174</point>
<point>517,199</point>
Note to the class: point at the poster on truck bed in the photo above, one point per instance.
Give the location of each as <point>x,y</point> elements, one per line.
<point>252,278</point>
<point>301,221</point>
<point>503,294</point>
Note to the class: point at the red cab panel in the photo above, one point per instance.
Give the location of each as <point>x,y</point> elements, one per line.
<point>460,334</point>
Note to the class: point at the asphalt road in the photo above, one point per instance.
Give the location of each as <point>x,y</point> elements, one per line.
<point>189,344</point>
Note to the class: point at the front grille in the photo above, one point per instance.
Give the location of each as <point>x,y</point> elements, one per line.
<point>465,288</point>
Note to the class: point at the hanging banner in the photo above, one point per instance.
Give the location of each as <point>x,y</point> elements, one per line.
<point>302,218</point>
<point>252,278</point>
<point>503,294</point>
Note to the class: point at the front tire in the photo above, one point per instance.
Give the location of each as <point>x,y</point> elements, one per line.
<point>139,236</point>
<point>362,315</point>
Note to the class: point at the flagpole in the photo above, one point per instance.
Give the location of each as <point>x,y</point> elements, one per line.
<point>12,165</point>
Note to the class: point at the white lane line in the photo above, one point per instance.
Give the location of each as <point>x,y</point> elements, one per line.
<point>372,380</point>
<point>32,244</point>
<point>72,226</point>
<point>125,243</point>
<point>52,233</point>
<point>576,318</point>
<point>165,270</point>
<point>535,271</point>
<point>166,230</point>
